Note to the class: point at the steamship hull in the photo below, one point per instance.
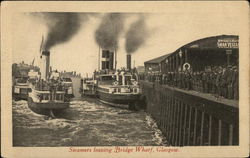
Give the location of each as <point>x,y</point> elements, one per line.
<point>17,97</point>
<point>48,107</point>
<point>126,101</point>
<point>88,93</point>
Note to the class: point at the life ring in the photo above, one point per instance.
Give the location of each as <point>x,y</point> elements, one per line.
<point>135,83</point>
<point>115,83</point>
<point>186,66</point>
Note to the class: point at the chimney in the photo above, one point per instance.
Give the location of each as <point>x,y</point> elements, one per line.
<point>45,59</point>
<point>129,61</point>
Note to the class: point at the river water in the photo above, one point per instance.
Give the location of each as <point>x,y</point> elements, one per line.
<point>87,122</point>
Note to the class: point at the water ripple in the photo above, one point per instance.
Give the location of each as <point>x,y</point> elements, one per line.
<point>86,123</point>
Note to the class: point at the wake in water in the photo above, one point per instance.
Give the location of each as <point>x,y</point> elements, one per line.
<point>86,123</point>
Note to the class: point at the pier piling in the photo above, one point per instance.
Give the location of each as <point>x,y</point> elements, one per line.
<point>189,119</point>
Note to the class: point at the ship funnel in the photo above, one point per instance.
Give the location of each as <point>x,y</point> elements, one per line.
<point>129,61</point>
<point>45,59</point>
<point>111,60</point>
<point>107,60</point>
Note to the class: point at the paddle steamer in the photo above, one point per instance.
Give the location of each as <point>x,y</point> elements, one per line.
<point>48,95</point>
<point>115,87</point>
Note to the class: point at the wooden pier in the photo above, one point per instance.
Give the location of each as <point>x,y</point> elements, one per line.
<point>190,118</point>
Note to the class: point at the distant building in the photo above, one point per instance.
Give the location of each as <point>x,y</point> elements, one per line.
<point>140,69</point>
<point>69,74</point>
<point>212,51</point>
<point>154,65</point>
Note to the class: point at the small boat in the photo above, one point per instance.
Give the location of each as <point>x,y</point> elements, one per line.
<point>67,82</point>
<point>88,87</point>
<point>21,88</point>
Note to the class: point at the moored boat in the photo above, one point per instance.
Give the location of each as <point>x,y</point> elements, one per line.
<point>67,82</point>
<point>21,88</point>
<point>88,87</point>
<point>118,88</point>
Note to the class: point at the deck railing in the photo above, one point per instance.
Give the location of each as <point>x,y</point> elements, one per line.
<point>188,119</point>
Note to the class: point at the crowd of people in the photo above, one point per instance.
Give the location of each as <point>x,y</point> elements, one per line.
<point>219,81</point>
<point>53,86</point>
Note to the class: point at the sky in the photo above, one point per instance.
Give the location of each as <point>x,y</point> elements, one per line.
<point>165,32</point>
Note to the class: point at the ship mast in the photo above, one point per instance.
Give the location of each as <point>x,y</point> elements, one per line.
<point>115,58</point>
<point>99,59</point>
<point>41,45</point>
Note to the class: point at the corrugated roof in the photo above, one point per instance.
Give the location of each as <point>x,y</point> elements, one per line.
<point>204,42</point>
<point>157,60</point>
<point>208,42</point>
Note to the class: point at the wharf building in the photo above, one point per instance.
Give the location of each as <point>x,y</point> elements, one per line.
<point>201,54</point>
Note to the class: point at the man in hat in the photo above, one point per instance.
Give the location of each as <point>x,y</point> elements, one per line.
<point>204,82</point>
<point>224,82</point>
<point>235,83</point>
<point>229,83</point>
<point>213,76</point>
<point>208,81</point>
<point>218,83</point>
<point>199,81</point>
<point>188,80</point>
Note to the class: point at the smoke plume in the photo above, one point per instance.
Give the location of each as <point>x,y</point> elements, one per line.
<point>108,32</point>
<point>61,28</point>
<point>136,34</point>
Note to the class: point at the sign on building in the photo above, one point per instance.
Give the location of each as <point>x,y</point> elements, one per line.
<point>228,43</point>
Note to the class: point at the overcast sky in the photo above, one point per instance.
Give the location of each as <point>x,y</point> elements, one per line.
<point>166,32</point>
